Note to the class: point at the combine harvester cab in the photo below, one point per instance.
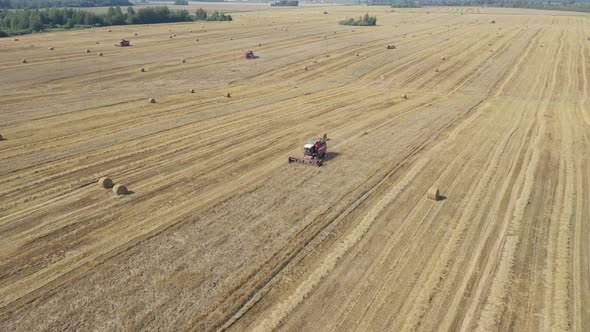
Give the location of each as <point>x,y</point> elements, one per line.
<point>315,150</point>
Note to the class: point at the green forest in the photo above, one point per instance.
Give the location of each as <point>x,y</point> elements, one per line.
<point>201,15</point>
<point>22,4</point>
<point>365,20</point>
<point>16,22</point>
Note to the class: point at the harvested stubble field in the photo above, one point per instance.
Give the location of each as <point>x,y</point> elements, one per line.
<point>219,232</point>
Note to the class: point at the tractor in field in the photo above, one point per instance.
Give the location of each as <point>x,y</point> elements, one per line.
<point>250,55</point>
<point>123,43</point>
<point>313,152</point>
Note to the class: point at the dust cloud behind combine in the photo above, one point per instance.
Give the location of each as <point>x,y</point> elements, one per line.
<point>219,231</point>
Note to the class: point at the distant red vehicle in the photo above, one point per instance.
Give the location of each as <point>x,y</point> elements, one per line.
<point>250,55</point>
<point>390,47</point>
<point>123,43</point>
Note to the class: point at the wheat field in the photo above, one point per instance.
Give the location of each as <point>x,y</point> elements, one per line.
<point>220,232</point>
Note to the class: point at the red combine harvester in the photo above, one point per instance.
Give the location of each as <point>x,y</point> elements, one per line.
<point>123,43</point>
<point>391,47</point>
<point>250,55</point>
<point>317,149</point>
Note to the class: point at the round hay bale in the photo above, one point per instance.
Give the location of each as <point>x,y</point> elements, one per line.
<point>191,91</point>
<point>174,35</point>
<point>152,101</point>
<point>183,60</point>
<point>120,189</point>
<point>142,70</point>
<point>97,43</point>
<point>197,39</point>
<point>15,39</point>
<point>105,182</point>
<point>436,70</point>
<point>24,61</point>
<point>88,51</point>
<point>135,34</point>
<point>100,54</point>
<point>305,68</point>
<point>404,96</point>
<point>51,48</point>
<point>231,38</point>
<point>357,54</point>
<point>228,95</point>
<point>433,194</point>
<point>1,138</point>
<point>110,30</point>
<point>259,44</point>
<point>170,37</point>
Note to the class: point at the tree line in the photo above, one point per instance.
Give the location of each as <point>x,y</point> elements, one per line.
<point>22,4</point>
<point>405,4</point>
<point>15,22</point>
<point>567,5</point>
<point>287,3</point>
<point>201,15</point>
<point>365,20</point>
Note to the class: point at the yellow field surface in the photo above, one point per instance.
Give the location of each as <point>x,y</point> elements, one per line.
<point>220,232</point>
